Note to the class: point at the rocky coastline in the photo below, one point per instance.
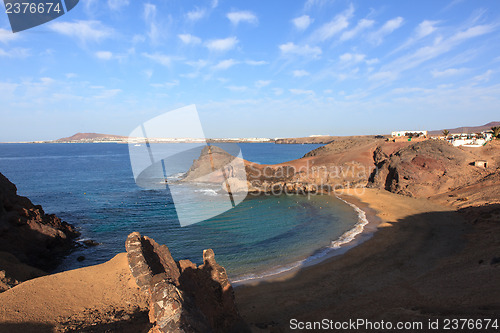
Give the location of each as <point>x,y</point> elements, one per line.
<point>31,241</point>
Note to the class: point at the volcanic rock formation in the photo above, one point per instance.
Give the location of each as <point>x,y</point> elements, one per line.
<point>183,297</point>
<point>29,236</point>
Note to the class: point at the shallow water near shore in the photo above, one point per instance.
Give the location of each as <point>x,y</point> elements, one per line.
<point>92,187</point>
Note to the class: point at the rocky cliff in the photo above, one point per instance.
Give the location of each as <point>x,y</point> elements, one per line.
<point>183,297</point>
<point>29,235</point>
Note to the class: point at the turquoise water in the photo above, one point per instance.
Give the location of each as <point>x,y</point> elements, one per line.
<point>92,187</point>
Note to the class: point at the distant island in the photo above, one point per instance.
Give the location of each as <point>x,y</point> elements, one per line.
<point>312,139</point>
<point>111,138</point>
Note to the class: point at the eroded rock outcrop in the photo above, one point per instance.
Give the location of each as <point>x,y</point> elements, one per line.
<point>184,297</point>
<point>425,168</point>
<point>28,233</point>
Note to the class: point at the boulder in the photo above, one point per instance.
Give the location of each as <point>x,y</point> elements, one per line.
<point>184,297</point>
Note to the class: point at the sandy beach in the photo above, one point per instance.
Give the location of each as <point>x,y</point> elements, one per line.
<point>422,263</point>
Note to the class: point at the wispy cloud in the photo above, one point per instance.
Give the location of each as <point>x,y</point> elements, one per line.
<point>166,85</point>
<point>242,16</point>
<point>339,23</point>
<point>302,22</point>
<point>189,39</point>
<point>196,14</point>
<point>150,19</point>
<point>424,29</point>
<point>15,53</point>
<point>117,4</point>
<point>377,37</point>
<point>448,72</point>
<point>319,3</point>
<point>384,76</point>
<point>439,47</point>
<point>352,57</point>
<point>7,36</point>
<point>159,58</point>
<point>301,50</point>
<point>363,24</point>
<point>300,73</point>
<point>84,31</point>
<point>225,64</point>
<point>104,55</point>
<point>237,88</point>
<point>485,77</point>
<point>301,92</point>
<point>197,64</point>
<point>221,45</point>
<point>256,62</point>
<point>262,83</point>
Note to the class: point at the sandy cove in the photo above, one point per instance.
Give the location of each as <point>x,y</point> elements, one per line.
<point>422,263</point>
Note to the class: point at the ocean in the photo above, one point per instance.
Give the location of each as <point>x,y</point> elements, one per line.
<point>92,187</point>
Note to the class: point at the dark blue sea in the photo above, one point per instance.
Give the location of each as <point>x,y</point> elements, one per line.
<point>92,187</point>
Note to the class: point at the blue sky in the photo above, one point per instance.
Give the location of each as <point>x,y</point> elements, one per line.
<point>253,68</point>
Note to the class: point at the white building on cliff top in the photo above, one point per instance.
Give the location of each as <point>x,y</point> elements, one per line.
<point>405,133</point>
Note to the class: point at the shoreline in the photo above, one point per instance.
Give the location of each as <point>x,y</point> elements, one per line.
<point>368,222</point>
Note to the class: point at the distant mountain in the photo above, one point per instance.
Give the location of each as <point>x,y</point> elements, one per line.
<point>467,129</point>
<point>91,137</point>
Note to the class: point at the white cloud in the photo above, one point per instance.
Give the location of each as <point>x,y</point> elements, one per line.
<point>83,30</point>
<point>166,85</point>
<point>104,55</point>
<point>302,22</point>
<point>189,39</point>
<point>71,75</point>
<point>150,19</point>
<point>425,28</point>
<point>256,62</point>
<point>15,53</point>
<point>237,88</point>
<point>215,3</point>
<point>439,46</point>
<point>475,31</point>
<point>372,61</point>
<point>300,73</point>
<point>108,93</point>
<point>197,64</point>
<point>159,58</point>
<point>384,76</point>
<point>196,14</point>
<point>362,25</point>
<point>278,91</point>
<point>448,72</point>
<point>225,64</point>
<point>311,3</point>
<point>148,73</point>
<point>262,83</point>
<point>301,92</point>
<point>305,50</point>
<point>351,57</point>
<point>117,4</point>
<point>222,44</point>
<point>7,36</point>
<point>378,36</point>
<point>484,77</point>
<point>339,23</point>
<point>242,16</point>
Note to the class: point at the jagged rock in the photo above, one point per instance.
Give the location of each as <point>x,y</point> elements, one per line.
<point>27,232</point>
<point>423,169</point>
<point>183,297</point>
